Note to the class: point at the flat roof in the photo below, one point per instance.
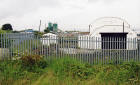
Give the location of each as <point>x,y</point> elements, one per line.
<point>114,33</point>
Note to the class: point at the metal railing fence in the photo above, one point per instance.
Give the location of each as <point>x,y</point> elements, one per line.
<point>93,50</point>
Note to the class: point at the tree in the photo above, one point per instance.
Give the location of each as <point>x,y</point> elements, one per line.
<point>7,27</point>
<point>46,30</point>
<point>38,34</point>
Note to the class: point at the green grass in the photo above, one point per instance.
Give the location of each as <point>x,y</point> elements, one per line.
<point>67,71</point>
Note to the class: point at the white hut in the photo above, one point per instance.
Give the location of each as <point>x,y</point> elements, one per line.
<point>109,33</point>
<point>49,38</point>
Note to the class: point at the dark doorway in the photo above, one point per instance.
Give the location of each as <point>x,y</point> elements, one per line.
<point>114,40</point>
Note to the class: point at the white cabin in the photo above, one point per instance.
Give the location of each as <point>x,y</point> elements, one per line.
<point>49,38</point>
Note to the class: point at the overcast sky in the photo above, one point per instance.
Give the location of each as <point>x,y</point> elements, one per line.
<point>69,14</point>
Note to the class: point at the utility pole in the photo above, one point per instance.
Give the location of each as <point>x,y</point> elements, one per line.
<point>123,27</point>
<point>39,25</point>
<point>45,25</point>
<point>89,28</point>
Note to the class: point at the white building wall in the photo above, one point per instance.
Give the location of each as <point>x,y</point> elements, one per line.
<point>49,39</point>
<point>95,43</point>
<point>88,42</point>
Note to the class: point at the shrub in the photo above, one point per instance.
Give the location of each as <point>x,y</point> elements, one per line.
<point>125,72</point>
<point>72,68</point>
<point>33,62</point>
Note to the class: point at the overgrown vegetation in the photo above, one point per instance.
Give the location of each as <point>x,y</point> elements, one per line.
<point>4,41</point>
<point>34,70</point>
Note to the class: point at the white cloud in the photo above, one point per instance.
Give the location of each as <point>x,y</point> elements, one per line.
<point>69,14</point>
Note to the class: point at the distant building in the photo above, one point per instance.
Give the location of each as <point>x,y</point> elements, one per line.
<point>53,27</point>
<point>111,33</point>
<point>84,33</point>
<point>50,26</point>
<point>29,31</point>
<point>49,39</point>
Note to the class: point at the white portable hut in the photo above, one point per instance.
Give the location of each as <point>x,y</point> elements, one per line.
<point>49,38</point>
<point>109,29</point>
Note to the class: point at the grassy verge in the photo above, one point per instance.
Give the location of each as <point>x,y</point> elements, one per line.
<point>67,71</point>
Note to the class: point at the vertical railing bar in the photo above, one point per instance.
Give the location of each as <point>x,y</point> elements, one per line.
<point>26,43</point>
<point>124,53</point>
<point>93,48</point>
<point>82,50</point>
<point>103,47</point>
<point>76,45</point>
<point>61,46</point>
<point>73,48</point>
<point>96,49</point>
<point>68,53</point>
<point>136,49</point>
<point>120,49</point>
<point>1,45</point>
<point>133,49</point>
<point>18,38</point>
<point>126,50</point>
<point>45,39</point>
<point>58,41</point>
<point>79,48</point>
<point>129,50</point>
<point>4,47</point>
<point>116,59</point>
<point>111,41</point>
<point>8,43</point>
<point>12,40</point>
<point>132,45</point>
<point>115,48</point>
<point>49,46</point>
<point>30,43</point>
<point>7,48</point>
<point>89,52</point>
<point>10,46</point>
<point>108,57</point>
<point>41,47</point>
<point>139,49</point>
<point>38,46</point>
<point>87,49</point>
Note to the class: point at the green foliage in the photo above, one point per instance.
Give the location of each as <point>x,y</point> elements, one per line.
<point>46,30</point>
<point>38,34</point>
<point>2,31</point>
<point>5,42</point>
<point>65,70</point>
<point>12,72</point>
<point>126,72</point>
<point>69,67</point>
<point>7,27</point>
<point>15,31</point>
<point>31,62</point>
